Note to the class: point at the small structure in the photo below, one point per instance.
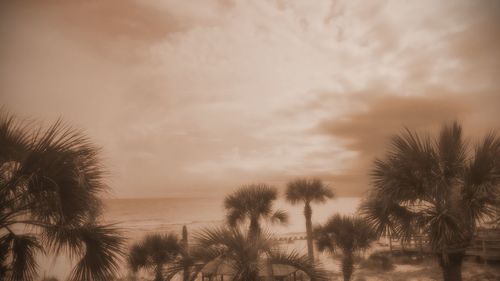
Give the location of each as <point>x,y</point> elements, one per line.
<point>220,270</point>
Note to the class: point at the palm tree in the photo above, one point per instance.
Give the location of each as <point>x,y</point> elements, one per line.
<point>349,234</point>
<point>248,257</point>
<point>185,248</point>
<point>50,182</point>
<point>253,203</point>
<point>442,186</point>
<point>307,192</point>
<point>154,252</point>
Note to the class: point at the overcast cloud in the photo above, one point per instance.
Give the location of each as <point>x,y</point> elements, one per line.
<point>189,98</point>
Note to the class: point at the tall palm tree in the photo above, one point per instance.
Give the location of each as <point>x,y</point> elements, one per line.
<point>444,187</point>
<point>154,253</point>
<point>349,234</point>
<point>248,257</point>
<point>253,203</point>
<point>50,182</point>
<point>308,191</point>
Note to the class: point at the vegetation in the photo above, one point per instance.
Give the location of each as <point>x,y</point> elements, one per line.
<point>439,187</point>
<point>153,253</point>
<point>308,191</point>
<point>378,261</point>
<point>50,279</point>
<point>253,203</point>
<point>50,181</point>
<point>249,256</point>
<point>349,234</point>
<point>382,217</point>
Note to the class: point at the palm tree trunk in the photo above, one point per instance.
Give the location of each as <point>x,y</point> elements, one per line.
<point>254,229</point>
<point>309,231</point>
<point>185,245</point>
<point>451,265</point>
<point>347,265</point>
<point>390,241</point>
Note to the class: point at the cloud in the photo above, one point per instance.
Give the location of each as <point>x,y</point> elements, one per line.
<point>200,96</point>
<point>121,30</point>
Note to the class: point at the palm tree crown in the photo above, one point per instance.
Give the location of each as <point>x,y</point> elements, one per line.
<point>442,188</point>
<point>154,252</point>
<point>253,203</point>
<point>308,191</point>
<point>50,181</point>
<point>349,234</point>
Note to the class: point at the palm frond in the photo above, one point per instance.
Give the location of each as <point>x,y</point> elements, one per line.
<point>408,170</point>
<point>5,244</point>
<point>103,251</point>
<point>23,265</point>
<point>14,139</point>
<point>444,231</point>
<point>279,216</point>
<point>482,178</point>
<point>374,210</point>
<point>452,151</point>
<point>345,232</point>
<point>155,251</point>
<point>324,240</point>
<point>63,175</point>
<point>300,262</point>
<point>137,258</point>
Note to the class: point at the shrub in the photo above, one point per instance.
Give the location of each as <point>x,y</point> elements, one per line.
<point>50,279</point>
<point>378,261</point>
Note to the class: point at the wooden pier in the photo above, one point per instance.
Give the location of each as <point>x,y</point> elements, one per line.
<point>485,245</point>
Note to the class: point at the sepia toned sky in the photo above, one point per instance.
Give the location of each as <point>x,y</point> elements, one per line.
<point>194,98</point>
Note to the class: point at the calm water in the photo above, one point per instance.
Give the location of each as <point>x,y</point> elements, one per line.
<point>140,216</point>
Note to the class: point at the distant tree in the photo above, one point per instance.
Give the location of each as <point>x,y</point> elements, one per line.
<point>349,234</point>
<point>442,187</point>
<point>50,182</point>
<point>308,191</point>
<point>153,253</point>
<point>253,203</point>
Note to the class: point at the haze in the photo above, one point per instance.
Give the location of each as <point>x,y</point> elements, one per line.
<point>194,98</point>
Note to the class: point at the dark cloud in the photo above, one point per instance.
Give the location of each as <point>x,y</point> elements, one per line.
<point>117,29</point>
<point>367,132</point>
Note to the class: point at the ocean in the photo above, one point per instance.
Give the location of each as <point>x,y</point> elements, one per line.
<point>138,217</point>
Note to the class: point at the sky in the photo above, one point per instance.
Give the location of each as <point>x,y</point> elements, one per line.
<point>195,98</point>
